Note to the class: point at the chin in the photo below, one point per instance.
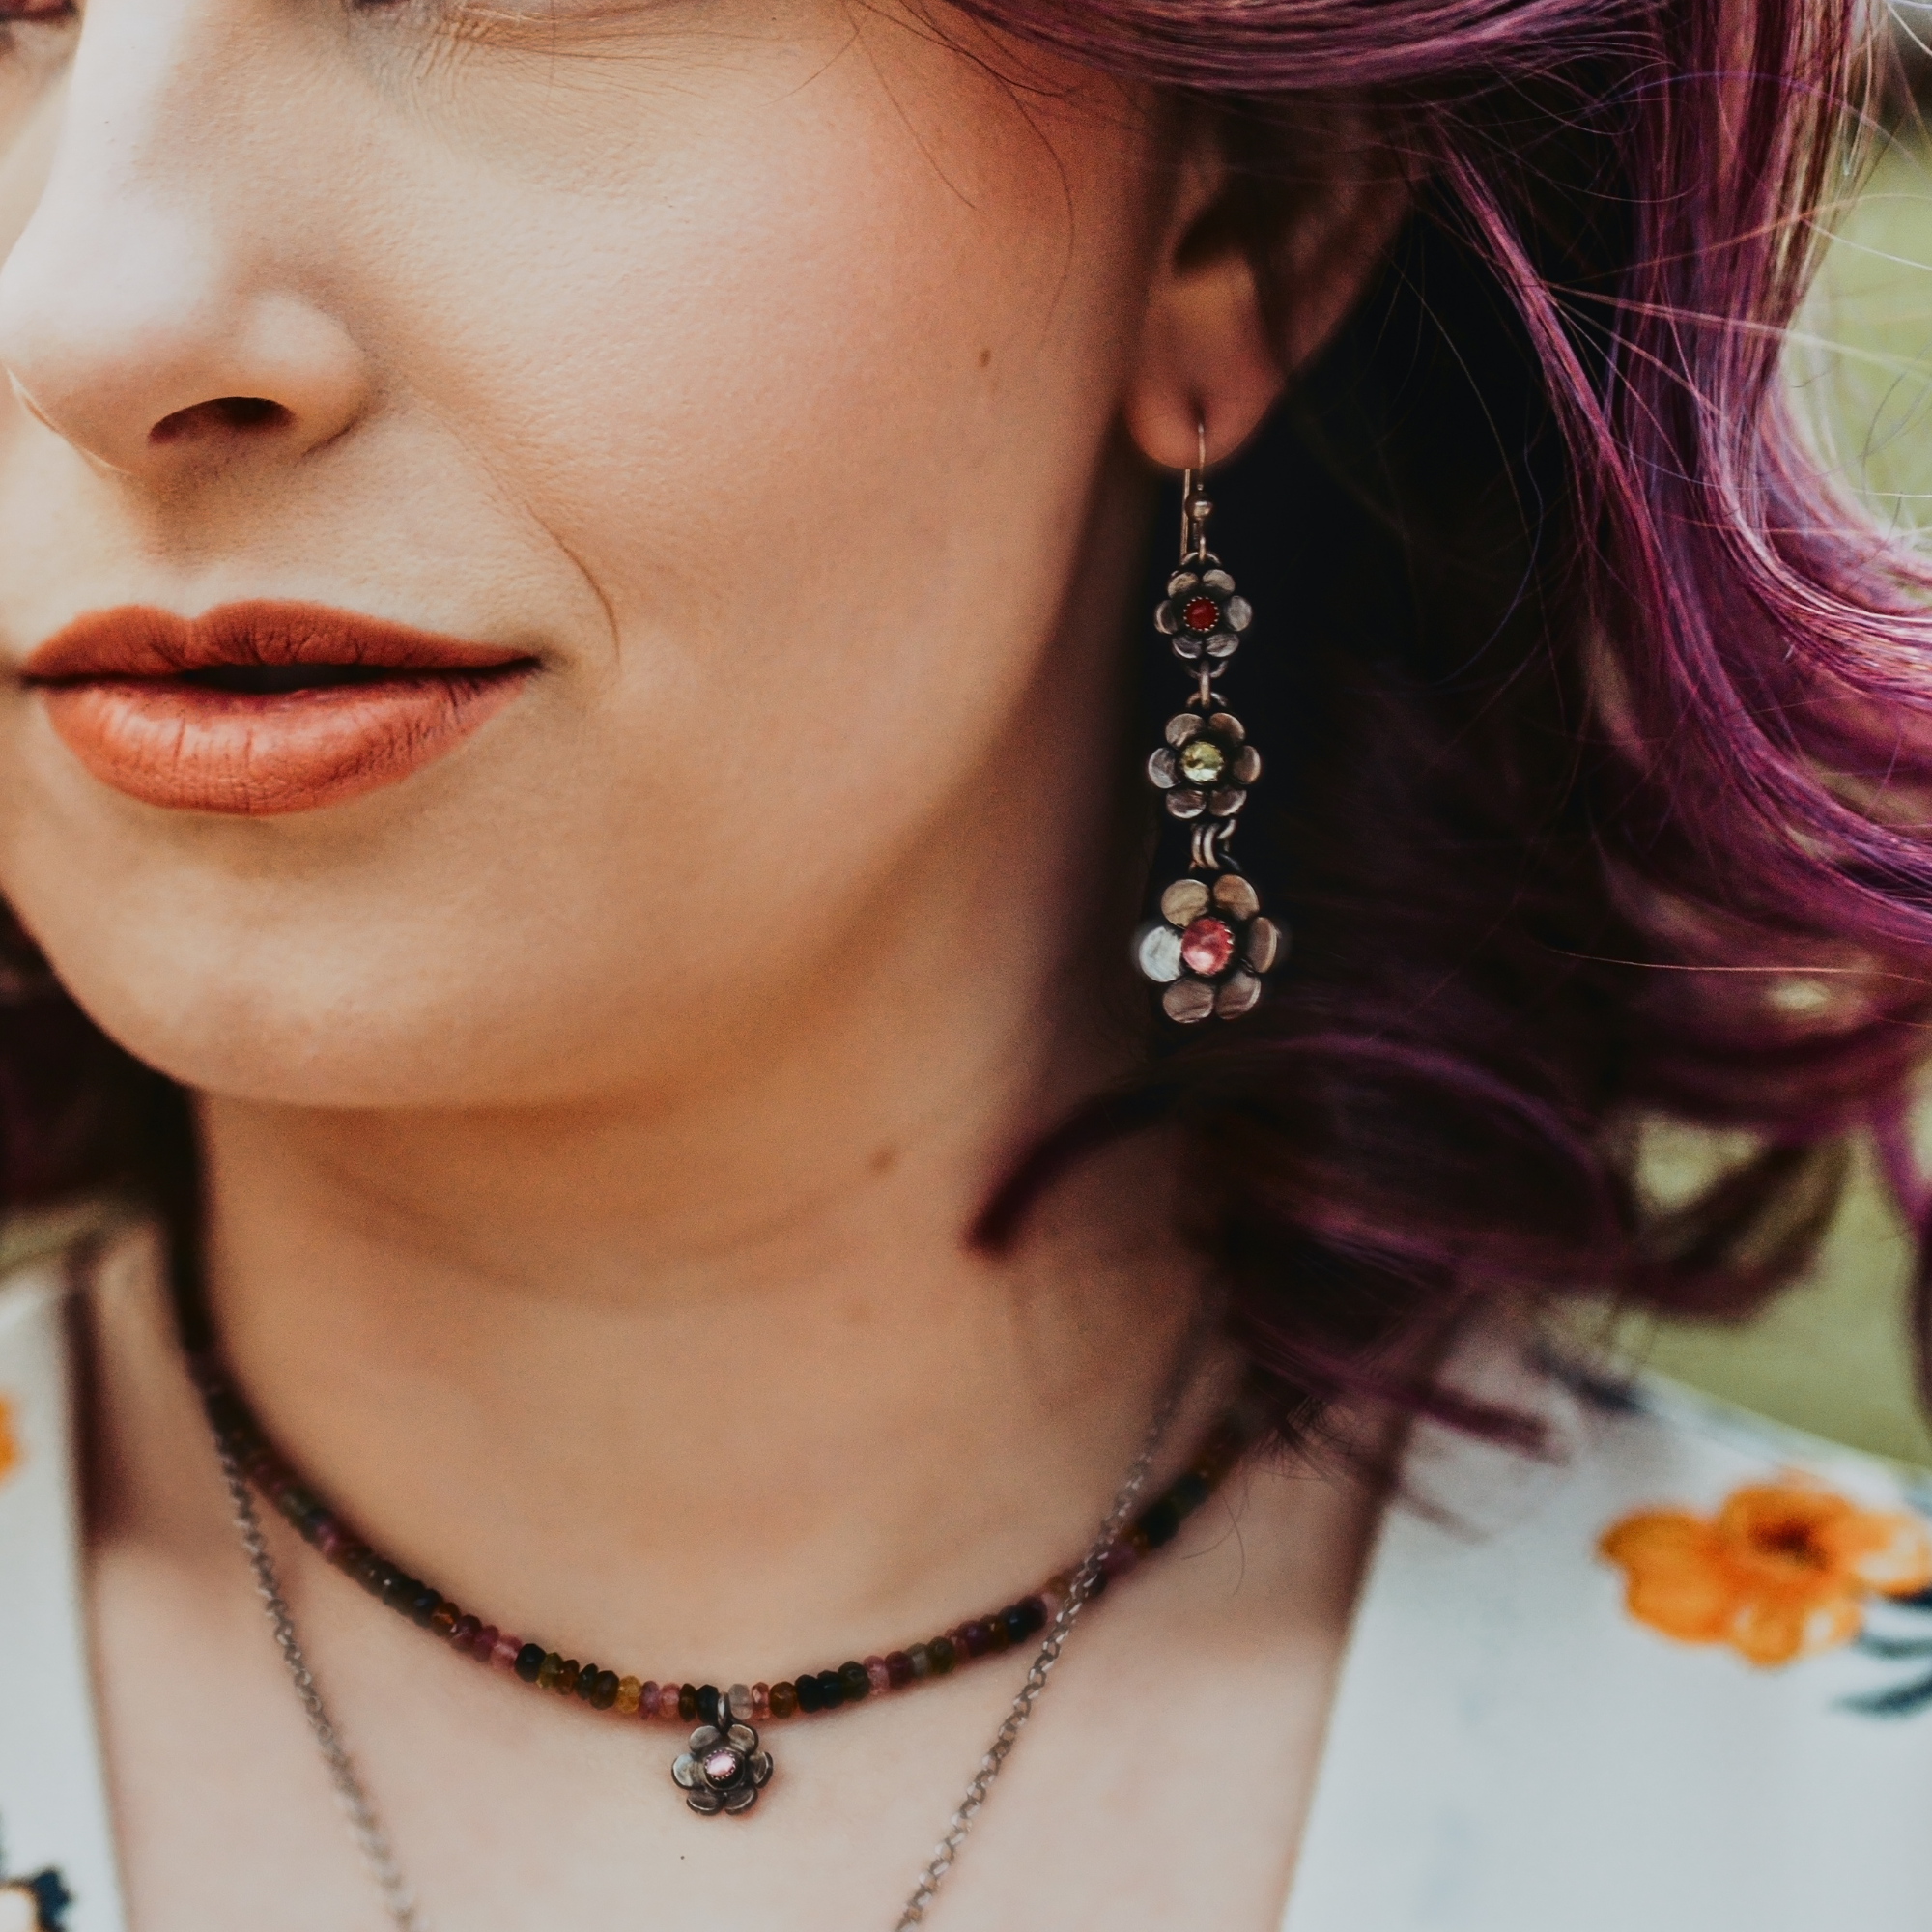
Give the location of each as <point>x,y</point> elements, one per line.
<point>328,1012</point>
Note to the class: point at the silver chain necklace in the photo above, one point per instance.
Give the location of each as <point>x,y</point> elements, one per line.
<point>399,1899</point>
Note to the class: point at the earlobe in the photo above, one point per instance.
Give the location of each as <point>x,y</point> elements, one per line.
<point>1210,352</point>
<point>1205,360</point>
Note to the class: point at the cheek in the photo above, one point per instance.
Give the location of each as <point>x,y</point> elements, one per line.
<point>816,407</point>
<point>809,406</point>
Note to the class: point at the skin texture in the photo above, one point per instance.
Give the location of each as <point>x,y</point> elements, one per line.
<point>592,1115</point>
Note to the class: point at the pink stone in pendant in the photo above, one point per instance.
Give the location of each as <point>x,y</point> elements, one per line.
<point>1207,947</point>
<point>721,1767</point>
<point>881,1677</point>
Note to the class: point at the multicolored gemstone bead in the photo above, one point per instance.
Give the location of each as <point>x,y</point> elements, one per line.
<point>725,1768</point>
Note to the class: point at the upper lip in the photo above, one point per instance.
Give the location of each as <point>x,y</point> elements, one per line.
<point>135,641</point>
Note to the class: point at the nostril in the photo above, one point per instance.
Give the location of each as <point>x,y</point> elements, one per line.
<point>225,414</point>
<point>249,411</point>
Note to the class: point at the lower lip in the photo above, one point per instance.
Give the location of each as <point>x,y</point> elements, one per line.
<point>190,748</point>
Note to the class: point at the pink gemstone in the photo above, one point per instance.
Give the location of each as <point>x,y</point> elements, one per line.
<point>761,1701</point>
<point>648,1704</point>
<point>483,1645</point>
<point>721,1766</point>
<point>882,1678</point>
<point>504,1654</point>
<point>328,1539</point>
<point>1118,1560</point>
<point>1207,946</point>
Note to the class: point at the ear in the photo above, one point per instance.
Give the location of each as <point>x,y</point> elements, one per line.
<point>1214,348</point>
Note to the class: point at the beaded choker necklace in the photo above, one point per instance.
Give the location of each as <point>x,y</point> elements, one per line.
<point>725,1766</point>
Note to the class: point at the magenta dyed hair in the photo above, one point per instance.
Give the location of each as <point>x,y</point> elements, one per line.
<point>1602,732</point>
<point>1611,735</point>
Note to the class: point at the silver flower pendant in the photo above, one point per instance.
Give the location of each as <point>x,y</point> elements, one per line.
<point>723,1770</point>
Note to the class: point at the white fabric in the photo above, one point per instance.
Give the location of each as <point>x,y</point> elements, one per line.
<point>54,1808</point>
<point>1509,1753</point>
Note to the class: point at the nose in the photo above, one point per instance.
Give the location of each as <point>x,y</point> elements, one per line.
<point>152,312</point>
<point>151,367</point>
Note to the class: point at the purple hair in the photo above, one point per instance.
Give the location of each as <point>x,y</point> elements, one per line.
<point>1604,726</point>
<point>1613,724</point>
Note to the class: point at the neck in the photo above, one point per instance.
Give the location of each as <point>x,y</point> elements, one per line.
<point>555,1405</point>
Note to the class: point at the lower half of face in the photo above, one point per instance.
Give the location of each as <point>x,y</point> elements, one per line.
<point>524,565</point>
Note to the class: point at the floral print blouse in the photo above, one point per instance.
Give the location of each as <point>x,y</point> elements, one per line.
<point>1674,1676</point>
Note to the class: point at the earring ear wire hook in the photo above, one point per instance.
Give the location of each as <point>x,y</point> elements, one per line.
<point>1195,508</point>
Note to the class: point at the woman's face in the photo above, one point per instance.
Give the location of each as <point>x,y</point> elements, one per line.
<point>744,375</point>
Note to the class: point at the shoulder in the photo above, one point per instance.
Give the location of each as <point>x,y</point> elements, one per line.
<point>1676,1674</point>
<point>56,1853</point>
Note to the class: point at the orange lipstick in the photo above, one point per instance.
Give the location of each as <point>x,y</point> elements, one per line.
<point>261,708</point>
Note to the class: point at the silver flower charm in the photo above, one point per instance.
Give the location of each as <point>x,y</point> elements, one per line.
<point>1201,612</point>
<point>1209,949</point>
<point>1207,764</point>
<point>723,1770</point>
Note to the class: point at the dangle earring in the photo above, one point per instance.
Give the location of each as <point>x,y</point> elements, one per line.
<point>1211,946</point>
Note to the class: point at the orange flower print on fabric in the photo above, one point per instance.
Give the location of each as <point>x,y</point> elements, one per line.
<point>1783,1570</point>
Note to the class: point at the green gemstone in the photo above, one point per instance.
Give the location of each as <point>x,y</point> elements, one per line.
<point>1201,762</point>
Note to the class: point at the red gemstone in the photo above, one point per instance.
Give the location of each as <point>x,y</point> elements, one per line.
<point>1207,946</point>
<point>1202,614</point>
